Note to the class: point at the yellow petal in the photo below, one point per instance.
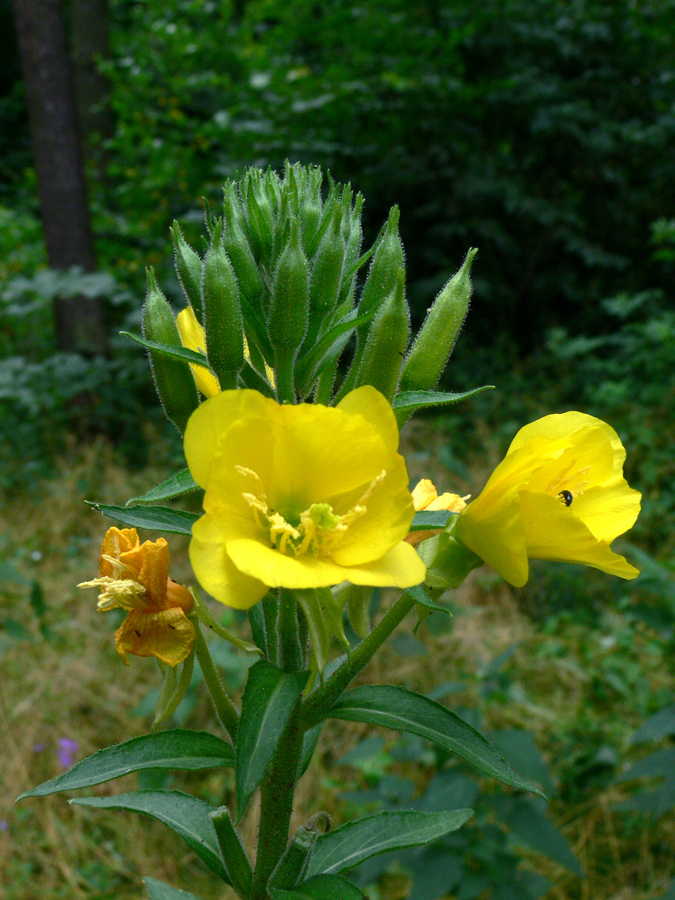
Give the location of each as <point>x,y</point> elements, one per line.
<point>554,532</point>
<point>498,538</point>
<point>399,567</point>
<point>193,338</point>
<point>169,635</point>
<point>423,494</point>
<point>218,575</point>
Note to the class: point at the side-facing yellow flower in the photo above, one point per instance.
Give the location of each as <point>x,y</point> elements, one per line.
<point>558,494</point>
<point>135,577</point>
<point>425,497</point>
<point>298,497</point>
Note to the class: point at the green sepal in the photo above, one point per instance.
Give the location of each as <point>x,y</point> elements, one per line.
<point>269,698</point>
<point>205,616</point>
<point>448,561</point>
<point>175,749</point>
<point>180,483</point>
<point>321,887</point>
<point>174,690</point>
<point>427,520</point>
<point>157,890</point>
<point>420,596</point>
<point>186,815</point>
<point>236,861</point>
<point>403,710</point>
<point>351,844</point>
<point>155,518</point>
<point>292,866</point>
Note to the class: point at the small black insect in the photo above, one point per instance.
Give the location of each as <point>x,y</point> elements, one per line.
<point>566,497</point>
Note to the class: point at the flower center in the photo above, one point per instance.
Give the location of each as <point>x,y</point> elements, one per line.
<point>315,531</point>
<point>569,483</point>
<point>122,593</point>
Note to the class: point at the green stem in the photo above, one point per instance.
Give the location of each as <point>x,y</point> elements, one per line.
<point>227,712</point>
<point>317,704</point>
<point>290,657</point>
<point>276,806</point>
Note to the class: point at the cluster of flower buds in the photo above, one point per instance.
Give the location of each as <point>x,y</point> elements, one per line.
<point>275,296</point>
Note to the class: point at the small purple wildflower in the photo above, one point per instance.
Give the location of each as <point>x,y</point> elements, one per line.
<point>38,748</point>
<point>66,752</point>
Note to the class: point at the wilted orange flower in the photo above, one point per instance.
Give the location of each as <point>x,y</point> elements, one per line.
<point>135,577</point>
<point>425,497</point>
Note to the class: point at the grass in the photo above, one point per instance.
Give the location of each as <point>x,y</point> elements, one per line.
<point>581,678</point>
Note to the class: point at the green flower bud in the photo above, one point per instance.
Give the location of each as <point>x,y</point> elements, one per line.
<point>434,343</point>
<point>173,379</point>
<point>189,271</point>
<point>387,260</point>
<point>289,309</point>
<point>310,210</point>
<point>260,216</point>
<point>386,343</point>
<point>239,252</point>
<point>324,290</point>
<point>293,864</point>
<point>223,324</point>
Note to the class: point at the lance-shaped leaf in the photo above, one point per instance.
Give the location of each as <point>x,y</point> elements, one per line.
<point>408,402</point>
<point>420,596</point>
<point>180,483</point>
<point>354,842</point>
<point>403,710</point>
<point>157,890</point>
<point>156,518</point>
<point>175,749</point>
<point>269,698</point>
<point>186,815</point>
<point>181,353</point>
<point>321,887</point>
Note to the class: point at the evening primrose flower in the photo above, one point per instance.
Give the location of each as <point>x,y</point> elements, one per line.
<point>193,338</point>
<point>425,498</point>
<point>135,577</point>
<point>558,494</point>
<point>298,497</point>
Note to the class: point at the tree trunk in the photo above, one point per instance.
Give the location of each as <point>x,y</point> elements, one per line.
<point>80,321</point>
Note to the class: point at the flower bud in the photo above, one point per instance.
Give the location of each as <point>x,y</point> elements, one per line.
<point>436,338</point>
<point>327,269</point>
<point>260,216</point>
<point>386,343</point>
<point>239,252</point>
<point>289,305</point>
<point>173,378</point>
<point>387,260</point>
<point>223,325</point>
<point>189,270</point>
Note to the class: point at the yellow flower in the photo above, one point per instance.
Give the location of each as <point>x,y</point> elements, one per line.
<point>135,577</point>
<point>193,338</point>
<point>425,497</point>
<point>558,494</point>
<point>298,497</point>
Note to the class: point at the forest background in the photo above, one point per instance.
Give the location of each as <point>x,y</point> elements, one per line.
<point>539,131</point>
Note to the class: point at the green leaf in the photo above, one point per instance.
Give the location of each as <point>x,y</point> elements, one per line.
<point>420,596</point>
<point>410,401</point>
<point>269,698</point>
<point>321,887</point>
<point>186,815</point>
<point>180,483</point>
<point>157,890</point>
<point>175,749</point>
<point>436,518</point>
<point>529,825</point>
<point>354,842</point>
<point>181,353</point>
<point>156,518</point>
<point>398,708</point>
